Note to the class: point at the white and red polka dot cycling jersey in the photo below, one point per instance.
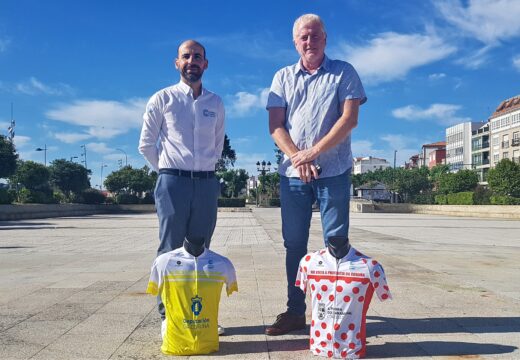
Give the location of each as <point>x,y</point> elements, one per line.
<point>341,291</point>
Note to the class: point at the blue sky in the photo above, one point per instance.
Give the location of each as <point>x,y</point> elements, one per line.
<point>80,72</point>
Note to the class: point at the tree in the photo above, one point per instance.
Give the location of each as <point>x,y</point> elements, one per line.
<point>504,179</point>
<point>31,175</point>
<point>462,180</point>
<point>130,181</point>
<point>411,182</point>
<point>278,154</point>
<point>235,181</point>
<point>436,172</point>
<point>8,157</point>
<point>270,184</point>
<point>69,176</point>
<point>228,156</point>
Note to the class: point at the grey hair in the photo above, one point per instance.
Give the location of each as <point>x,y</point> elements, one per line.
<point>306,19</point>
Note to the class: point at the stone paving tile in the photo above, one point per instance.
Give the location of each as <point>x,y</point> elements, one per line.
<point>79,296</point>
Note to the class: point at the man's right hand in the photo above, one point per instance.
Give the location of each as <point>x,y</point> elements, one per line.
<point>307,172</point>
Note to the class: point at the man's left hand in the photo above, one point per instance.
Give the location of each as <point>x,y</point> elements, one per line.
<point>303,156</point>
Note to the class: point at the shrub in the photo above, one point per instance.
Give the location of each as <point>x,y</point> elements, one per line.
<point>59,197</point>
<point>36,196</point>
<point>274,202</point>
<point>441,199</point>
<point>127,199</point>
<point>426,199</point>
<point>6,197</point>
<point>461,198</point>
<point>148,199</point>
<point>231,202</point>
<point>504,200</point>
<point>482,195</point>
<point>92,196</point>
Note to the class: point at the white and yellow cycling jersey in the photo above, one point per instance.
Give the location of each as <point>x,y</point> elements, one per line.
<point>190,289</point>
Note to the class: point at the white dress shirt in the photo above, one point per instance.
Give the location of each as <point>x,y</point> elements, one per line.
<point>180,132</point>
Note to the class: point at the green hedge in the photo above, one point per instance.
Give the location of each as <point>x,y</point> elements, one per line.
<point>461,198</point>
<point>6,197</point>
<point>26,196</point>
<point>441,199</point>
<point>92,196</point>
<point>127,199</point>
<point>274,202</point>
<point>233,202</point>
<point>504,200</point>
<point>424,199</point>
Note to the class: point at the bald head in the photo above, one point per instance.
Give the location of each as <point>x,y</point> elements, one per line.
<point>191,43</point>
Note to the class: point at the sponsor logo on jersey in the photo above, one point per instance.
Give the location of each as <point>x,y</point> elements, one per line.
<point>196,305</point>
<point>320,264</point>
<point>179,263</point>
<point>321,311</point>
<point>208,113</point>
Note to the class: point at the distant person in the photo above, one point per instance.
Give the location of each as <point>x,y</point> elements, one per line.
<point>182,138</point>
<point>313,106</point>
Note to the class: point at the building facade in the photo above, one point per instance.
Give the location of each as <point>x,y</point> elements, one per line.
<point>458,145</point>
<point>505,131</point>
<point>365,164</point>
<point>480,152</point>
<point>432,154</point>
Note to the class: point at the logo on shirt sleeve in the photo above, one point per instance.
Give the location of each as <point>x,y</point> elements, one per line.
<point>208,113</point>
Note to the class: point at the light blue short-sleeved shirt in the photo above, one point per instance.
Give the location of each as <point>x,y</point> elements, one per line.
<point>313,105</point>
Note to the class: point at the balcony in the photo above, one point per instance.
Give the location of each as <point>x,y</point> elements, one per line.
<point>515,142</point>
<point>505,144</point>
<point>516,159</point>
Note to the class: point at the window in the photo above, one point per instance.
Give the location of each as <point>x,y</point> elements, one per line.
<point>496,158</point>
<point>505,155</point>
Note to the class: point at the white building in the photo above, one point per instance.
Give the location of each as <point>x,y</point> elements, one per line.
<point>458,145</point>
<point>365,164</point>
<point>505,131</point>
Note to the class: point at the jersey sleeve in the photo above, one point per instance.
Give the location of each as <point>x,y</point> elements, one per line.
<point>301,277</point>
<point>231,279</point>
<point>155,281</point>
<point>378,278</point>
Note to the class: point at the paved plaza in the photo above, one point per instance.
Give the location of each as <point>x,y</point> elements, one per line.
<point>73,288</point>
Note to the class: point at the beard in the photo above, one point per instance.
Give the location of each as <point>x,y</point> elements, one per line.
<point>194,76</point>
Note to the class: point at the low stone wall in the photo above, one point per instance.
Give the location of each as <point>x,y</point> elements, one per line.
<point>483,211</point>
<point>41,211</point>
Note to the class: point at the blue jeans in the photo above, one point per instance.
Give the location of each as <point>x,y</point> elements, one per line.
<point>332,195</point>
<point>186,208</point>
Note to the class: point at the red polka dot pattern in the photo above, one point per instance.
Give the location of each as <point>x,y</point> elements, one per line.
<point>331,297</point>
<point>324,288</point>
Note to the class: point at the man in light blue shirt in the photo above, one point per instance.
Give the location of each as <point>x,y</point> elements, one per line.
<point>313,106</point>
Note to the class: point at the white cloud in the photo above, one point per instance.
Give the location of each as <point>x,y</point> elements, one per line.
<point>21,141</point>
<point>4,44</point>
<point>489,21</point>
<point>102,119</point>
<point>396,141</point>
<point>34,87</point>
<point>243,103</point>
<point>71,138</point>
<point>516,62</point>
<point>477,59</point>
<point>442,113</point>
<point>245,140</point>
<point>99,148</point>
<point>436,76</point>
<point>391,56</point>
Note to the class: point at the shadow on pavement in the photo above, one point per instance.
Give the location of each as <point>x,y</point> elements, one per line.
<point>472,325</point>
<point>436,348</point>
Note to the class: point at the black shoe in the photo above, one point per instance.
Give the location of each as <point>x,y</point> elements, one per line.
<point>285,323</point>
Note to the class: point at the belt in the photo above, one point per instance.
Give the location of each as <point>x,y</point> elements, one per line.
<point>189,173</point>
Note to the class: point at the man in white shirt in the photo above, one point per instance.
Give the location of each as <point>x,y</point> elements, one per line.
<point>182,138</point>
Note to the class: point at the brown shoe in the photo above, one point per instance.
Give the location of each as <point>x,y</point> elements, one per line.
<point>285,323</point>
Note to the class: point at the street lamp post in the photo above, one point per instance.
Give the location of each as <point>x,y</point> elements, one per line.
<point>44,152</point>
<point>84,154</point>
<point>102,166</point>
<point>126,156</point>
<point>262,168</point>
